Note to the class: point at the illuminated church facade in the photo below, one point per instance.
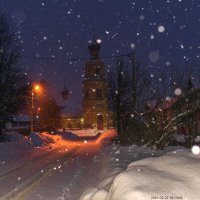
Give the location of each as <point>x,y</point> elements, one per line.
<point>95,112</point>
<point>95,91</point>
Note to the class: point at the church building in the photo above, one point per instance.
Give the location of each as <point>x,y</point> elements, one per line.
<point>95,90</point>
<point>95,112</point>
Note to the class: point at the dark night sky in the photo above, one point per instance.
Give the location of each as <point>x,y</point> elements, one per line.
<point>62,28</point>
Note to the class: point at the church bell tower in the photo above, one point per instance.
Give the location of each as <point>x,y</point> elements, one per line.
<point>95,102</point>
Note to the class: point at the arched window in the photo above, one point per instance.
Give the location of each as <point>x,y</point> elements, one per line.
<point>98,93</point>
<point>98,71</point>
<point>87,93</point>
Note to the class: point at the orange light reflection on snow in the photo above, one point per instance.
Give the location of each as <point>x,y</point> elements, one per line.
<point>82,146</point>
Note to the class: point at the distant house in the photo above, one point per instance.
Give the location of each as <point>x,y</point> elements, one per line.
<point>188,108</point>
<point>184,109</point>
<point>72,121</point>
<point>21,120</point>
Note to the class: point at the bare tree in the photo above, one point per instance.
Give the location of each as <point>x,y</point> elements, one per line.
<point>128,92</point>
<point>172,112</point>
<point>120,98</point>
<point>13,81</point>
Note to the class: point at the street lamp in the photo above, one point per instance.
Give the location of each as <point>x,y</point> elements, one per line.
<point>35,89</point>
<point>82,123</point>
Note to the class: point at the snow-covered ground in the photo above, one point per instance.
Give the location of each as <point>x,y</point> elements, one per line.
<point>169,174</point>
<point>29,164</point>
<point>50,167</point>
<point>85,132</point>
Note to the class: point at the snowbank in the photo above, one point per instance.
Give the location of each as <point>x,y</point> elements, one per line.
<point>41,139</point>
<point>16,143</point>
<point>174,175</point>
<point>17,149</point>
<point>13,144</point>
<point>84,132</point>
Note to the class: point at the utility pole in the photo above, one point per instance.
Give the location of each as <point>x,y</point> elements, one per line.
<point>133,80</point>
<point>32,108</point>
<point>35,88</point>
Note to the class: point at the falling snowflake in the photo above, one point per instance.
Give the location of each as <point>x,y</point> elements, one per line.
<point>99,41</point>
<point>141,17</point>
<point>161,29</point>
<point>168,99</point>
<point>132,45</point>
<point>154,56</point>
<point>195,150</point>
<point>152,37</point>
<point>178,91</point>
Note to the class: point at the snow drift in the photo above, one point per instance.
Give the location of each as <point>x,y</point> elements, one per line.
<point>174,175</point>
<point>16,143</point>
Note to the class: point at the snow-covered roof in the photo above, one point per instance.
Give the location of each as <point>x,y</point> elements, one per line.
<point>21,118</point>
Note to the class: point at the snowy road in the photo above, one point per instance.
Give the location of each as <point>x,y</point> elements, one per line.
<point>52,167</point>
<point>59,173</point>
<point>51,175</point>
<point>18,181</point>
<point>65,170</point>
<point>88,169</point>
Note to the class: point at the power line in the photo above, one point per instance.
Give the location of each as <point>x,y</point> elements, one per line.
<point>72,59</point>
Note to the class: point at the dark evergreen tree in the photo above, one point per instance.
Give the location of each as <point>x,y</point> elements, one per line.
<point>49,116</point>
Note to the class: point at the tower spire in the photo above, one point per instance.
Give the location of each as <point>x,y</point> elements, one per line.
<point>94,48</point>
<point>94,34</point>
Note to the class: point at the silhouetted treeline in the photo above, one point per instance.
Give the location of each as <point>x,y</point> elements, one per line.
<point>146,109</point>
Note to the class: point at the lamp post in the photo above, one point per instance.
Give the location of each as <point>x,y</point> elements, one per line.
<point>37,89</point>
<point>82,123</point>
<point>134,78</point>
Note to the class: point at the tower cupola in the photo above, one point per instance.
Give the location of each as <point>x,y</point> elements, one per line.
<point>94,48</point>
